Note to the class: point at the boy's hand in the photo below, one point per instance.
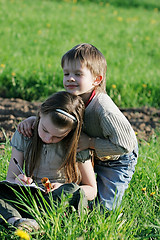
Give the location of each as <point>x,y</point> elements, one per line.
<point>85,142</point>
<point>22,179</point>
<point>25,127</point>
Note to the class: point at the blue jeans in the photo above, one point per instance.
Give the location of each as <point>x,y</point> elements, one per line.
<point>113,178</point>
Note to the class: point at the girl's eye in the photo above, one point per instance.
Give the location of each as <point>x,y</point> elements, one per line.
<point>44,130</point>
<point>66,74</point>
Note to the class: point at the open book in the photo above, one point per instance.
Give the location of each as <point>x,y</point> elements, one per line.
<point>6,184</point>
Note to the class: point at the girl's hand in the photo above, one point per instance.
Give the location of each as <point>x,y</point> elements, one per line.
<point>56,185</point>
<point>22,179</point>
<point>25,127</point>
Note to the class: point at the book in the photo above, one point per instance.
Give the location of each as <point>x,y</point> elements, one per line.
<point>9,186</point>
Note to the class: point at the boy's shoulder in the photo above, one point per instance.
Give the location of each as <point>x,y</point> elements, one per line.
<point>102,101</point>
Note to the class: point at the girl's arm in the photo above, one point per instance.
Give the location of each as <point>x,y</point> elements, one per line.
<point>25,127</point>
<point>89,184</point>
<point>13,174</point>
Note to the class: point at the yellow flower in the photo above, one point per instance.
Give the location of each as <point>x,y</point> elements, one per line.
<point>22,234</point>
<point>156,10</point>
<point>136,133</point>
<point>113,86</point>
<point>48,25</point>
<point>152,193</point>
<point>13,74</point>
<point>3,65</point>
<point>147,38</point>
<point>115,13</point>
<point>120,19</point>
<point>153,21</point>
<point>144,85</point>
<point>39,32</point>
<point>143,189</point>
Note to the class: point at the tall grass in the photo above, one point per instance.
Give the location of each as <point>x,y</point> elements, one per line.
<point>137,218</point>
<point>35,34</point>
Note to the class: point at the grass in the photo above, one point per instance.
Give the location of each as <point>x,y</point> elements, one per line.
<point>35,35</point>
<point>138,217</point>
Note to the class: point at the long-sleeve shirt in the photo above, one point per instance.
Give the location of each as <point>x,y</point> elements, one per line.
<point>114,135</point>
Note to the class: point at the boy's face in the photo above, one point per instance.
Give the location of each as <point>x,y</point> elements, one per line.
<point>77,79</point>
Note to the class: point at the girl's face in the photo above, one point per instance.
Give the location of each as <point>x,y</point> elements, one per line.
<point>50,133</point>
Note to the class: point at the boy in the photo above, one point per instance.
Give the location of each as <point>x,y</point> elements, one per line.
<point>106,130</point>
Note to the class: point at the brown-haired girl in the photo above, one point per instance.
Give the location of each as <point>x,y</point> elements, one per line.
<point>51,153</point>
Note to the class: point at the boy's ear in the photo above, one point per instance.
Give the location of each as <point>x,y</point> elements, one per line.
<point>97,81</point>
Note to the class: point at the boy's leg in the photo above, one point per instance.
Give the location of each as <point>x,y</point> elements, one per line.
<point>113,178</point>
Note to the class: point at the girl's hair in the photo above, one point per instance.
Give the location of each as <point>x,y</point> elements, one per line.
<point>72,105</point>
<point>92,58</point>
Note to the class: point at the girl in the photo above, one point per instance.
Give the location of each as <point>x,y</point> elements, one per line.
<point>51,153</point>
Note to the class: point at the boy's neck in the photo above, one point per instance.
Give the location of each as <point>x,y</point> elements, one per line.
<point>87,97</point>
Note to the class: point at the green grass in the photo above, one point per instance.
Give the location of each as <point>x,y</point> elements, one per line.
<point>35,34</point>
<point>137,219</point>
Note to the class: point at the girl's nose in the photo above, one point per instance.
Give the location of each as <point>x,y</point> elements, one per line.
<point>48,139</point>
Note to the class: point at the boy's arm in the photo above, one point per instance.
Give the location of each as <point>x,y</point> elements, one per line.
<point>87,142</point>
<point>25,127</point>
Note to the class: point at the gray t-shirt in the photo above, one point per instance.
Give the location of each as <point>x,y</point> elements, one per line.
<point>51,158</point>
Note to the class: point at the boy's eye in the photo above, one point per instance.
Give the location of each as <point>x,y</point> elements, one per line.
<point>78,74</point>
<point>66,74</point>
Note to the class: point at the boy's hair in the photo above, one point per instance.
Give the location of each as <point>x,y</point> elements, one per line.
<point>92,58</point>
<point>72,105</point>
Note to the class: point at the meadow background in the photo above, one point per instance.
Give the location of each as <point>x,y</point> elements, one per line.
<point>33,37</point>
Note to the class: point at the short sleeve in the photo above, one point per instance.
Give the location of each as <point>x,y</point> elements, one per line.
<point>19,141</point>
<point>83,156</point>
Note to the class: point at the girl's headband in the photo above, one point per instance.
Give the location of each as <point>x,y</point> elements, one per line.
<point>66,114</point>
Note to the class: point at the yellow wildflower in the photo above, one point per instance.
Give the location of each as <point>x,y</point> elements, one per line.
<point>74,1</point>
<point>144,85</point>
<point>3,65</point>
<point>113,86</point>
<point>147,38</point>
<point>120,19</point>
<point>39,32</point>
<point>115,13</point>
<point>156,10</point>
<point>152,193</point>
<point>48,25</point>
<point>153,21</point>
<point>143,189</point>
<point>22,234</point>
<point>136,133</point>
<point>13,74</point>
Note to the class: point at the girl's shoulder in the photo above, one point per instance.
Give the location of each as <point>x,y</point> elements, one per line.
<point>19,141</point>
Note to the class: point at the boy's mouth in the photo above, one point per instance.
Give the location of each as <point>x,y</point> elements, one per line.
<point>71,86</point>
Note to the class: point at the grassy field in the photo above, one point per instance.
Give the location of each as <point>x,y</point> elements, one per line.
<point>137,219</point>
<point>35,34</point>
<point>33,37</point>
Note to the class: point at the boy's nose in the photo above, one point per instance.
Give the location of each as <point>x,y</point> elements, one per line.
<point>71,79</point>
